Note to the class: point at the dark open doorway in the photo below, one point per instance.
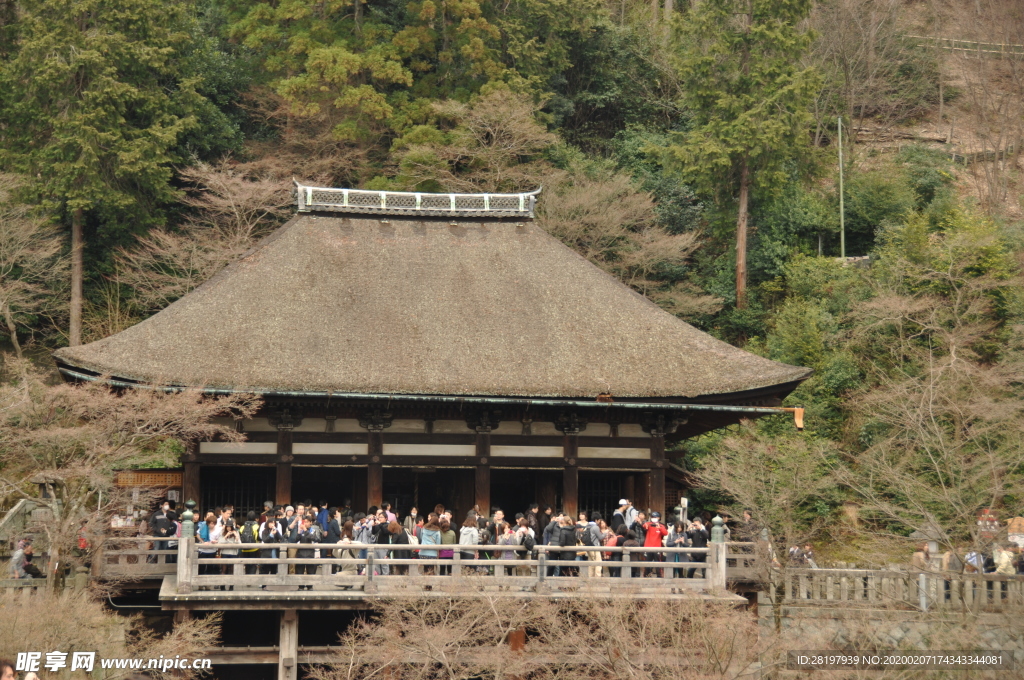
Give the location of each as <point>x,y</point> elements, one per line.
<point>244,486</point>
<point>600,492</point>
<point>325,483</point>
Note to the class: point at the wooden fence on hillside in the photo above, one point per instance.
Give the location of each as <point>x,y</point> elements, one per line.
<point>920,590</point>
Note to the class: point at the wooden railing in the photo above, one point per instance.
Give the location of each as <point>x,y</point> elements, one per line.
<point>972,47</point>
<point>414,203</point>
<point>741,561</point>
<point>134,558</point>
<point>919,590</point>
<point>371,573</point>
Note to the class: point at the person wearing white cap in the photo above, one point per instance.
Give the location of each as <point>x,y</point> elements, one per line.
<point>625,515</point>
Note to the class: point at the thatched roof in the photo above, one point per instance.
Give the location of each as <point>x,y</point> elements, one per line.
<point>424,307</point>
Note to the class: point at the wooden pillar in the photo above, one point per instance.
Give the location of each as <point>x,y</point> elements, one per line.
<point>657,474</point>
<point>570,425</point>
<point>375,469</point>
<point>283,485</point>
<point>642,490</point>
<point>288,661</point>
<point>629,489</point>
<point>375,424</point>
<point>570,476</point>
<point>570,490</point>
<point>190,480</point>
<point>482,482</point>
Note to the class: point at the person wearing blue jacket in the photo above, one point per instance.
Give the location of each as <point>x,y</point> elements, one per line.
<point>324,516</point>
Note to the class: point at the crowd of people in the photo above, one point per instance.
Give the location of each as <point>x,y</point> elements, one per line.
<point>1005,559</point>
<point>434,535</point>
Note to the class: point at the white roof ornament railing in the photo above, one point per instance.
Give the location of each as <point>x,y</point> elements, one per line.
<point>317,199</point>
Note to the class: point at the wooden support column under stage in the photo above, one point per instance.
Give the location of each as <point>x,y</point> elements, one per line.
<point>375,424</point>
<point>288,659</point>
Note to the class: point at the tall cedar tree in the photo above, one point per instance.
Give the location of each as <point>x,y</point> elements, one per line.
<point>739,63</point>
<point>92,108</point>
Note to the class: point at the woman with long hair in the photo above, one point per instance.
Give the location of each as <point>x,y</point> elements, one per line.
<point>343,553</point>
<point>430,535</point>
<point>448,538</point>
<point>469,534</point>
<point>399,537</point>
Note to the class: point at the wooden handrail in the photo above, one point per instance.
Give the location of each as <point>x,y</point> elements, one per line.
<point>713,567</point>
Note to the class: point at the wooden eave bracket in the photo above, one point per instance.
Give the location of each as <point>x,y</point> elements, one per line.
<point>798,416</point>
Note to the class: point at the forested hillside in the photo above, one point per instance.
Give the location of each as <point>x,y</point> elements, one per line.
<point>690,148</point>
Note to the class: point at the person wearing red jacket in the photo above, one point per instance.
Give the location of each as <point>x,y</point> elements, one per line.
<point>654,533</point>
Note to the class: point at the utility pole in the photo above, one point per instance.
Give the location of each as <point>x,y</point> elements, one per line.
<point>842,213</point>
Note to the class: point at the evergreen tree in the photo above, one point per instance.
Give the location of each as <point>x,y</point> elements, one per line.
<point>93,109</point>
<point>739,63</point>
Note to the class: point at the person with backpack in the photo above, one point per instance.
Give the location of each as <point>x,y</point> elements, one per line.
<point>552,527</point>
<point>525,537</point>
<point>249,534</point>
<point>565,537</point>
<point>616,541</point>
<point>587,534</point>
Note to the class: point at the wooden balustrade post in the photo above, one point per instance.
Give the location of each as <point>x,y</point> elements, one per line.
<point>369,586</point>
<point>627,569</point>
<point>715,574</point>
<point>186,556</point>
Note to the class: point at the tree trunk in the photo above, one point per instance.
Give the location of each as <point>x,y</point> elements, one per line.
<point>741,238</point>
<point>12,330</point>
<point>75,324</point>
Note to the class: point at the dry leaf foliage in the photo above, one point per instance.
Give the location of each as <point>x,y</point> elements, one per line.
<point>75,621</point>
<point>76,436</point>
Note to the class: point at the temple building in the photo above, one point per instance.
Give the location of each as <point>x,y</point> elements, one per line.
<point>435,348</point>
